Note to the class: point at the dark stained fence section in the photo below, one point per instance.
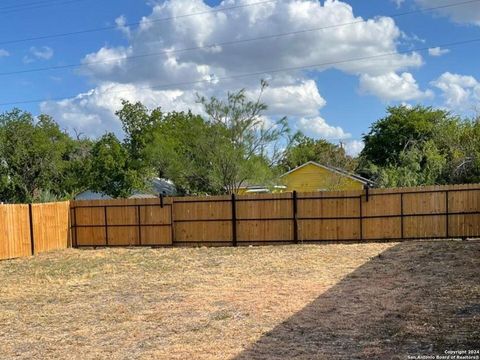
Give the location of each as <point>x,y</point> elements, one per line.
<point>368,215</point>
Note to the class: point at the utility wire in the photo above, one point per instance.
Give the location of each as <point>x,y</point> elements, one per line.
<point>113,27</point>
<point>257,73</point>
<point>213,45</point>
<point>35,5</point>
<point>106,28</point>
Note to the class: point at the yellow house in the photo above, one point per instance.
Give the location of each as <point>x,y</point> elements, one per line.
<point>309,177</point>
<point>313,176</point>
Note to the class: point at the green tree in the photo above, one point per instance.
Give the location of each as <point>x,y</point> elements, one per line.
<point>33,157</point>
<point>402,127</point>
<point>417,165</point>
<point>305,149</point>
<point>427,147</point>
<point>252,147</point>
<point>182,150</point>
<point>110,171</point>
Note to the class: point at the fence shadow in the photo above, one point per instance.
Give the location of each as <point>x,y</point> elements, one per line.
<point>414,298</point>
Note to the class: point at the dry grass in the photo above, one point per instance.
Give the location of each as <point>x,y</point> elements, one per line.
<point>281,302</point>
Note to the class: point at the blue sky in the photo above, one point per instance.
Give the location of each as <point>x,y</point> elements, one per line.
<point>334,102</point>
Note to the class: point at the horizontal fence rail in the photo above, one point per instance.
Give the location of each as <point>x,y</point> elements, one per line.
<point>368,215</point>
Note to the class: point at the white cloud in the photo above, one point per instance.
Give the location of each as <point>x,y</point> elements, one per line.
<point>121,23</point>
<point>463,13</point>
<point>372,37</point>
<point>398,3</point>
<point>318,127</point>
<point>27,59</point>
<point>393,87</point>
<point>354,147</point>
<point>437,51</point>
<point>4,53</point>
<point>300,99</point>
<point>293,93</point>
<point>460,92</point>
<point>93,112</point>
<point>42,53</point>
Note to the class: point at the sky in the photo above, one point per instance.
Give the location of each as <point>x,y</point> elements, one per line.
<point>333,67</point>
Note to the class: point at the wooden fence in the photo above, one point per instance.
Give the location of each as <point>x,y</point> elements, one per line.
<point>376,214</point>
<point>32,229</point>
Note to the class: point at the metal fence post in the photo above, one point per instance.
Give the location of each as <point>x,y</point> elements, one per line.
<point>75,231</point>
<point>447,231</point>
<point>361,214</point>
<point>295,219</point>
<point>401,217</point>
<point>234,221</point>
<point>139,223</point>
<point>32,240</point>
<point>172,221</point>
<point>106,225</point>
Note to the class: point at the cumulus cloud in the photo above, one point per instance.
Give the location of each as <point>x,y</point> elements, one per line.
<point>121,23</point>
<point>301,99</point>
<point>318,127</point>
<point>42,53</point>
<point>4,53</point>
<point>354,147</point>
<point>437,51</point>
<point>393,87</point>
<point>460,92</point>
<point>398,3</point>
<point>93,112</point>
<point>155,55</point>
<point>468,13</point>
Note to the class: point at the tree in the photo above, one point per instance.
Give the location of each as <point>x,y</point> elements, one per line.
<point>182,150</point>
<point>402,127</point>
<point>416,165</point>
<point>427,147</point>
<point>110,171</point>
<point>253,145</point>
<point>33,157</point>
<point>306,149</point>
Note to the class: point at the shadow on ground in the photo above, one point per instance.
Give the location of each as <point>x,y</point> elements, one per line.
<point>417,298</point>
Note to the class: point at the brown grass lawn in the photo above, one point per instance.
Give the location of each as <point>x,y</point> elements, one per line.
<point>285,302</point>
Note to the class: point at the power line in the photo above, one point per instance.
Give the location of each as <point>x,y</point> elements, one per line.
<point>34,5</point>
<point>257,73</point>
<point>213,45</point>
<point>105,28</point>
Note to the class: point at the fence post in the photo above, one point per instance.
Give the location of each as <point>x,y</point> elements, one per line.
<point>106,225</point>
<point>161,201</point>
<point>32,240</point>
<point>446,217</point>
<point>401,216</point>
<point>172,221</point>
<point>139,226</point>
<point>75,232</point>
<point>234,221</point>
<point>361,215</point>
<point>295,220</point>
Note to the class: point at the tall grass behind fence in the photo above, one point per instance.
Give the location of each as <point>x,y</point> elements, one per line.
<point>362,215</point>
<point>32,229</point>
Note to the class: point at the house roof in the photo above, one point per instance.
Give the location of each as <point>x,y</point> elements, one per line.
<point>157,186</point>
<point>256,187</point>
<point>333,169</point>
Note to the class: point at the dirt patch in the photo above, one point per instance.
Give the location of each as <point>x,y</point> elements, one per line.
<point>280,302</point>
